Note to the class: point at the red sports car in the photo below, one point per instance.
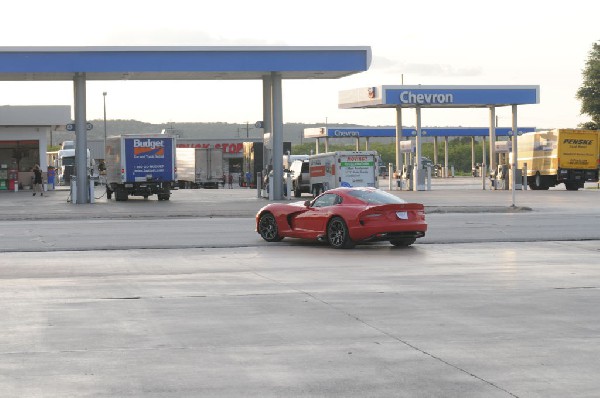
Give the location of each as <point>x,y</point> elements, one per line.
<point>344,217</point>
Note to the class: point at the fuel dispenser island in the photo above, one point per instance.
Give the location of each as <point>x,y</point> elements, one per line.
<point>406,177</point>
<point>499,176</point>
<point>502,177</point>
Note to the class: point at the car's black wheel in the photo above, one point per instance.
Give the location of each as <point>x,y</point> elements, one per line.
<point>404,242</point>
<point>267,228</point>
<point>337,234</point>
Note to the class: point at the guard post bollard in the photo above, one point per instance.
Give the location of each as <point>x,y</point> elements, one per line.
<point>483,173</point>
<point>258,185</point>
<point>429,177</point>
<point>73,190</point>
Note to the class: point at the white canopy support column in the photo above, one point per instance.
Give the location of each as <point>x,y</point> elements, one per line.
<point>399,158</point>
<point>446,157</point>
<point>417,168</point>
<point>80,140</point>
<point>277,137</point>
<point>492,161</point>
<point>515,153</point>
<point>473,154</point>
<point>267,122</point>
<point>483,161</point>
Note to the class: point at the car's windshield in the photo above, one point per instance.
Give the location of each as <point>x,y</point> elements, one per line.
<point>376,197</point>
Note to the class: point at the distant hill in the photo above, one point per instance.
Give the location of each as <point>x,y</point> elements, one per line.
<point>291,131</point>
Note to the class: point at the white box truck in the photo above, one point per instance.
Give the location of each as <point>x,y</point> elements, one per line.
<point>199,167</point>
<point>343,169</point>
<point>140,165</point>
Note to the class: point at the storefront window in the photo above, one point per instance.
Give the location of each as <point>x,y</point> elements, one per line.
<point>25,153</point>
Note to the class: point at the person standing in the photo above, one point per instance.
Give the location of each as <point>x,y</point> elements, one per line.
<point>230,181</point>
<point>37,180</point>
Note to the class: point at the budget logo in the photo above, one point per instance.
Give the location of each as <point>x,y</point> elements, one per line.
<point>148,148</point>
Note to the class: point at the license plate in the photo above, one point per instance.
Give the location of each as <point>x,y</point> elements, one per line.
<point>402,215</point>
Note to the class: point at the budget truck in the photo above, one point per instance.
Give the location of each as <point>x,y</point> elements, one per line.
<point>559,156</point>
<point>342,169</point>
<point>200,167</point>
<point>140,165</point>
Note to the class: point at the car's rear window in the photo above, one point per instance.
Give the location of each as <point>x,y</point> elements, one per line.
<point>376,197</point>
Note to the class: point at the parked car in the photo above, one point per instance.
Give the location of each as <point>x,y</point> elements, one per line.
<point>344,217</point>
<point>300,173</point>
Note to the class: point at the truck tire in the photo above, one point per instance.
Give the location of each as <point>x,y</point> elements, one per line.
<point>572,186</point>
<point>538,182</point>
<point>120,195</point>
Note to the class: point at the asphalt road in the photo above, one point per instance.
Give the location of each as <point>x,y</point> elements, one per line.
<point>204,232</point>
<point>183,299</point>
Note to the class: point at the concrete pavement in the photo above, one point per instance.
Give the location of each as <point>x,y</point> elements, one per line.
<point>447,195</point>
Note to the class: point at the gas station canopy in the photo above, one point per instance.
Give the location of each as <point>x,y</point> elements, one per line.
<point>438,96</point>
<point>180,63</point>
<point>269,64</point>
<point>389,132</point>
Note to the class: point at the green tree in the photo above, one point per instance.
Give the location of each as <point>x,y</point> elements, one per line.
<point>589,92</point>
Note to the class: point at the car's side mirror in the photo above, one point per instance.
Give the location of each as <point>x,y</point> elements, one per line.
<point>307,203</point>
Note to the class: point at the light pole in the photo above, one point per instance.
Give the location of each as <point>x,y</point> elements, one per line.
<point>104,97</point>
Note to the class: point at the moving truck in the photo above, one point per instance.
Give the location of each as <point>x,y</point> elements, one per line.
<point>253,161</point>
<point>342,169</point>
<point>65,162</point>
<point>567,156</point>
<point>140,165</point>
<point>199,167</point>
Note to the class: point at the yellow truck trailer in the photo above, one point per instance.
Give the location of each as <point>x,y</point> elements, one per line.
<point>567,156</point>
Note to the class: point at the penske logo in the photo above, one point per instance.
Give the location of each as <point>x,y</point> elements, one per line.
<point>571,141</point>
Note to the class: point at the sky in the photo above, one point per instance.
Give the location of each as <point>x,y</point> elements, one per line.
<point>434,42</point>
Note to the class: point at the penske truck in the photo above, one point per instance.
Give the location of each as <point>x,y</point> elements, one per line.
<point>559,156</point>
<point>343,169</point>
<point>140,165</point>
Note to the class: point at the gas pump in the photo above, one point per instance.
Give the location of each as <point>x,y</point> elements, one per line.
<point>501,177</point>
<point>13,177</point>
<point>3,177</point>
